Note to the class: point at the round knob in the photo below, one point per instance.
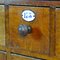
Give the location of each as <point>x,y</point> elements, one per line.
<point>24,30</point>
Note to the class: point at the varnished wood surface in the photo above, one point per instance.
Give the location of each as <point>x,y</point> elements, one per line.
<point>58,32</point>
<point>2,25</point>
<point>57,51</point>
<point>13,41</point>
<point>38,40</point>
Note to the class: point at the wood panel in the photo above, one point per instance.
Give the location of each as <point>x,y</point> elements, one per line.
<point>2,25</point>
<point>58,32</point>
<point>38,40</point>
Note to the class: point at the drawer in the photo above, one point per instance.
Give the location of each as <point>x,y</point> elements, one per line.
<point>2,55</point>
<point>36,40</point>
<point>21,57</point>
<point>58,32</point>
<point>2,25</point>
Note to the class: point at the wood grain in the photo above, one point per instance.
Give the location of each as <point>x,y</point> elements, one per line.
<point>2,25</point>
<point>38,40</point>
<point>58,32</point>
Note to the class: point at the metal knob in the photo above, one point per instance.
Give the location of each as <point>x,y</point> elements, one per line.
<point>24,29</point>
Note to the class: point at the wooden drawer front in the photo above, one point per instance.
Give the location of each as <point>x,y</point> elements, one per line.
<point>58,32</point>
<point>20,57</point>
<point>38,40</point>
<point>2,55</point>
<point>2,25</point>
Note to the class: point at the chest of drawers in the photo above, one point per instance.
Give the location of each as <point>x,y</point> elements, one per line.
<point>30,30</point>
